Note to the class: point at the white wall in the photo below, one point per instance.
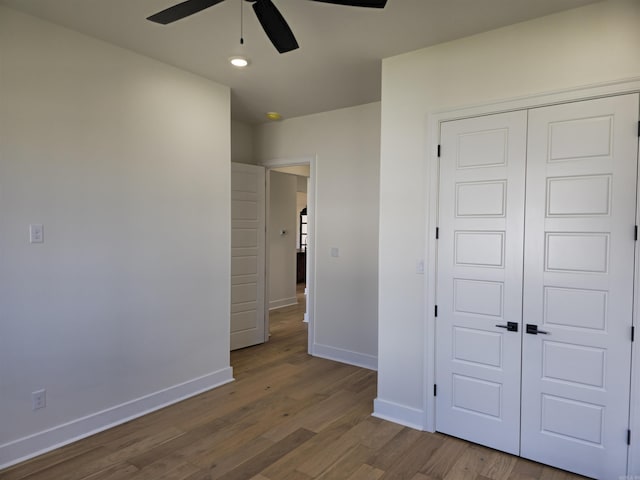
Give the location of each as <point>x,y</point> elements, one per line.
<point>302,184</point>
<point>125,306</point>
<point>302,172</point>
<point>346,143</point>
<point>242,143</point>
<point>597,43</point>
<point>282,248</point>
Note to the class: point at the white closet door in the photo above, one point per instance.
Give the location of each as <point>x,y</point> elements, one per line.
<point>480,279</point>
<point>578,284</point>
<point>247,255</point>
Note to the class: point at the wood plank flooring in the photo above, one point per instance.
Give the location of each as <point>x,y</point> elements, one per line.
<point>288,416</point>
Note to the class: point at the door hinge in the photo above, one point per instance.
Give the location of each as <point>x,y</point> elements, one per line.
<point>439,151</point>
<point>639,128</point>
<point>435,311</point>
<point>437,233</point>
<point>628,437</point>
<point>635,234</point>
<point>633,333</point>
<point>435,390</point>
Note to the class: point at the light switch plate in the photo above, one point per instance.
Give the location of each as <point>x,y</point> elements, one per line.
<point>36,233</point>
<point>335,252</point>
<point>38,399</point>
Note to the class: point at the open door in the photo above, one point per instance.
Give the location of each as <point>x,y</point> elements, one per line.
<point>247,255</point>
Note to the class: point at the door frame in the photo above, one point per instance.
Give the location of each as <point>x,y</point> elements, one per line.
<point>311,232</point>
<point>432,133</point>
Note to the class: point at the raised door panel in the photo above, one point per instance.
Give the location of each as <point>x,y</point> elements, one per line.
<point>481,208</point>
<point>579,274</point>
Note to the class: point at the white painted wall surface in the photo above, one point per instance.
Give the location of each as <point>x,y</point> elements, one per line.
<point>597,43</point>
<point>282,247</point>
<point>125,306</point>
<point>242,143</point>
<point>302,184</point>
<point>346,143</point>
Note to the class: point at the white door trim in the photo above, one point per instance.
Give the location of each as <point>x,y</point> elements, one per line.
<point>432,133</point>
<point>311,228</point>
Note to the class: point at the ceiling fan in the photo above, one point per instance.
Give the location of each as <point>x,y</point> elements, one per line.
<point>268,15</point>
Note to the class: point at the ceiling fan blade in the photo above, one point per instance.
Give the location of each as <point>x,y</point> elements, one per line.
<point>275,26</point>
<point>357,3</point>
<point>181,10</point>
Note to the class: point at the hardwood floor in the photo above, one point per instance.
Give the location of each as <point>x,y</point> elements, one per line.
<point>288,416</point>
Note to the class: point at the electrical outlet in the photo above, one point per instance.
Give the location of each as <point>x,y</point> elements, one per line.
<point>38,399</point>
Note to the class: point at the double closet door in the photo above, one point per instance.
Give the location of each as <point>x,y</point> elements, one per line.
<point>537,210</point>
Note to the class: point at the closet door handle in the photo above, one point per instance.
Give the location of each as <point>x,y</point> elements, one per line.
<point>533,330</point>
<point>511,326</point>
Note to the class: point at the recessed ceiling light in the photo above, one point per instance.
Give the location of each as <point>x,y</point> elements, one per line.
<point>239,62</point>
<point>274,116</point>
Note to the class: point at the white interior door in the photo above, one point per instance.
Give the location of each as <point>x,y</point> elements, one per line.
<point>481,209</point>
<point>247,255</point>
<point>578,284</point>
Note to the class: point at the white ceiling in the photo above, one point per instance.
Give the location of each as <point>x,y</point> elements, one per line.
<point>339,60</point>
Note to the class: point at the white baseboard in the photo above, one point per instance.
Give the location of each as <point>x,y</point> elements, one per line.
<point>306,317</point>
<point>396,413</point>
<point>33,445</point>
<point>283,302</point>
<point>345,356</point>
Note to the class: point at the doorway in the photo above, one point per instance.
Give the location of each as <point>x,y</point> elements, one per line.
<point>306,167</point>
<point>535,278</point>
